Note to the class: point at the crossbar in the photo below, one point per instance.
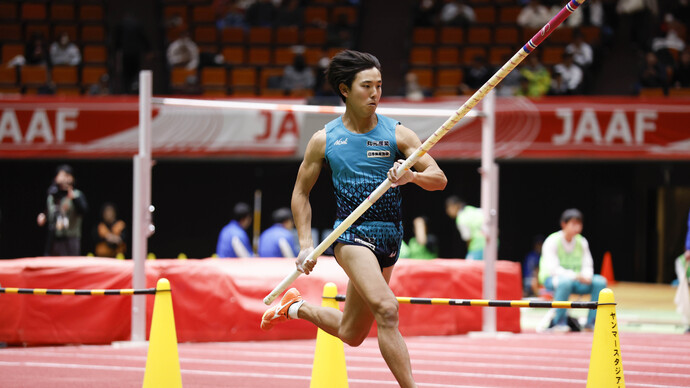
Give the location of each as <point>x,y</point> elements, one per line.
<point>493,303</point>
<point>67,291</point>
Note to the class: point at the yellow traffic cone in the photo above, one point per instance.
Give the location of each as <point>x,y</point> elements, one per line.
<point>329,370</point>
<point>606,363</point>
<point>162,361</point>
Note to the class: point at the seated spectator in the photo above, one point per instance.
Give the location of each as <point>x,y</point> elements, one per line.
<point>35,51</point>
<point>183,52</point>
<point>681,73</point>
<point>652,73</point>
<point>289,13</point>
<point>558,86</point>
<point>110,233</point>
<point>476,75</point>
<point>101,88</point>
<point>533,15</point>
<point>673,38</point>
<point>413,91</point>
<point>582,52</point>
<point>425,12</point>
<point>279,240</point>
<point>536,76</point>
<point>456,13</point>
<point>233,240</point>
<point>261,13</point>
<point>229,13</point>
<point>298,76</point>
<point>566,267</point>
<point>530,268</point>
<point>64,52</point>
<point>571,73</point>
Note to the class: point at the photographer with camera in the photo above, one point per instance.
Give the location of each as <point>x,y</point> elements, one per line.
<point>66,207</point>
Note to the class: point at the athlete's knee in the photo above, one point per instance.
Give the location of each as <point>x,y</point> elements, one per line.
<point>352,337</point>
<point>386,313</point>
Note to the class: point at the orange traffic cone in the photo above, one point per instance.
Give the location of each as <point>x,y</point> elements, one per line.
<point>607,269</point>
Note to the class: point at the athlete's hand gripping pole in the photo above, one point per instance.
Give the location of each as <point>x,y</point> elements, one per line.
<point>536,40</point>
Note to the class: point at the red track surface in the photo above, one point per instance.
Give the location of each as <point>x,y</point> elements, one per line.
<point>519,360</point>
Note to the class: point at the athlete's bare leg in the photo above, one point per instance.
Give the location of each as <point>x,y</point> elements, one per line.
<point>368,298</point>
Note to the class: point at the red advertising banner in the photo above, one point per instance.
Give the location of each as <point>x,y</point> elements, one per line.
<point>549,128</point>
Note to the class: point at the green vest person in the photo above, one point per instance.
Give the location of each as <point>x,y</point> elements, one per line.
<point>469,221</point>
<point>566,267</point>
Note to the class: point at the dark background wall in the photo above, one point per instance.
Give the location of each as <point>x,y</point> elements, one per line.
<point>194,199</point>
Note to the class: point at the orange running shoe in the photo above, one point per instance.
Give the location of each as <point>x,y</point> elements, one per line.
<point>279,312</point>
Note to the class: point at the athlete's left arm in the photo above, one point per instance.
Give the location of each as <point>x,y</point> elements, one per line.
<point>427,175</point>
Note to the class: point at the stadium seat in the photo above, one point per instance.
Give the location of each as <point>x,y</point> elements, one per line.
<point>170,11</point>
<point>205,34</point>
<point>243,77</point>
<point>485,14</point>
<point>425,77</point>
<point>349,12</point>
<point>314,36</point>
<point>423,35</point>
<point>92,33</point>
<point>33,75</point>
<point>561,35</point>
<point>506,35</point>
<point>469,53</point>
<point>421,56</point>
<point>178,75</point>
<point>260,35</point>
<point>91,13</point>
<point>8,11</point>
<point>64,75</point>
<point>447,56</point>
<point>10,32</point>
<point>8,76</point>
<point>452,35</point>
<point>259,56</point>
<point>38,28</point>
<point>479,35</point>
<point>234,55</point>
<point>91,74</point>
<point>234,35</point>
<point>203,14</point>
<point>498,54</point>
<point>283,56</point>
<point>449,77</point>
<point>33,11</point>
<point>509,14</point>
<point>268,73</point>
<point>312,55</point>
<point>69,28</point>
<point>68,90</point>
<point>94,54</point>
<point>62,12</point>
<point>552,55</point>
<point>287,35</point>
<point>213,77</point>
<point>315,15</point>
<point>11,50</point>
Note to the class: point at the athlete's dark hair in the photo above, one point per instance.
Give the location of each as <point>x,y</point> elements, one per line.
<point>345,65</point>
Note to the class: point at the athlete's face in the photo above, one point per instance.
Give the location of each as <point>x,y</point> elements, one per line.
<point>365,92</point>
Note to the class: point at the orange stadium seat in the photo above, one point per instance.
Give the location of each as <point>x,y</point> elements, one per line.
<point>34,11</point>
<point>499,55</point>
<point>283,56</point>
<point>91,13</point>
<point>259,56</point>
<point>508,14</point>
<point>178,75</point>
<point>268,73</point>
<point>315,15</point>
<point>243,77</point>
<point>423,35</point>
<point>485,14</point>
<point>314,36</point>
<point>205,34</point>
<point>203,14</point>
<point>506,35</point>
<point>449,77</point>
<point>287,35</point>
<point>260,35</point>
<point>170,11</point>
<point>421,56</point>
<point>233,35</point>
<point>234,55</point>
<point>312,55</point>
<point>64,75</point>
<point>33,75</point>
<point>8,75</point>
<point>552,55</point>
<point>592,34</point>
<point>94,54</point>
<point>349,12</point>
<point>447,56</point>
<point>11,50</point>
<point>479,35</point>
<point>10,32</point>
<point>561,35</point>
<point>70,29</point>
<point>91,74</point>
<point>213,76</point>
<point>425,77</point>
<point>62,12</point>
<point>92,33</point>
<point>469,53</point>
<point>8,11</point>
<point>452,35</point>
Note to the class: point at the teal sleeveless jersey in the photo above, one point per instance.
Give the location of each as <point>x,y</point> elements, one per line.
<point>359,163</point>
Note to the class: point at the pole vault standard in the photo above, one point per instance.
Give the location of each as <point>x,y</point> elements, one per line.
<point>536,40</point>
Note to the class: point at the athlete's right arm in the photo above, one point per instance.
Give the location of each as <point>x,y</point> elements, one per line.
<point>307,175</point>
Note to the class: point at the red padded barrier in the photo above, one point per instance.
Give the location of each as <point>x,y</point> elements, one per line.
<point>222,300</point>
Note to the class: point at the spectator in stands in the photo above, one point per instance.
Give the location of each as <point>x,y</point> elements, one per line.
<point>290,13</point>
<point>36,51</point>
<point>582,52</point>
<point>412,89</point>
<point>533,15</point>
<point>229,13</point>
<point>530,268</point>
<point>571,73</point>
<point>233,240</point>
<point>470,222</point>
<point>566,267</point>
<point>297,76</point>
<point>183,52</point>
<point>476,75</point>
<point>280,240</point>
<point>110,240</point>
<point>652,73</point>
<point>456,13</point>
<point>261,13</point>
<point>422,245</point>
<point>672,42</point>
<point>537,77</point>
<point>64,52</point>
<point>133,47</point>
<point>558,85</point>
<point>65,209</point>
<point>425,12</point>
<point>101,88</point>
<point>681,73</point>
